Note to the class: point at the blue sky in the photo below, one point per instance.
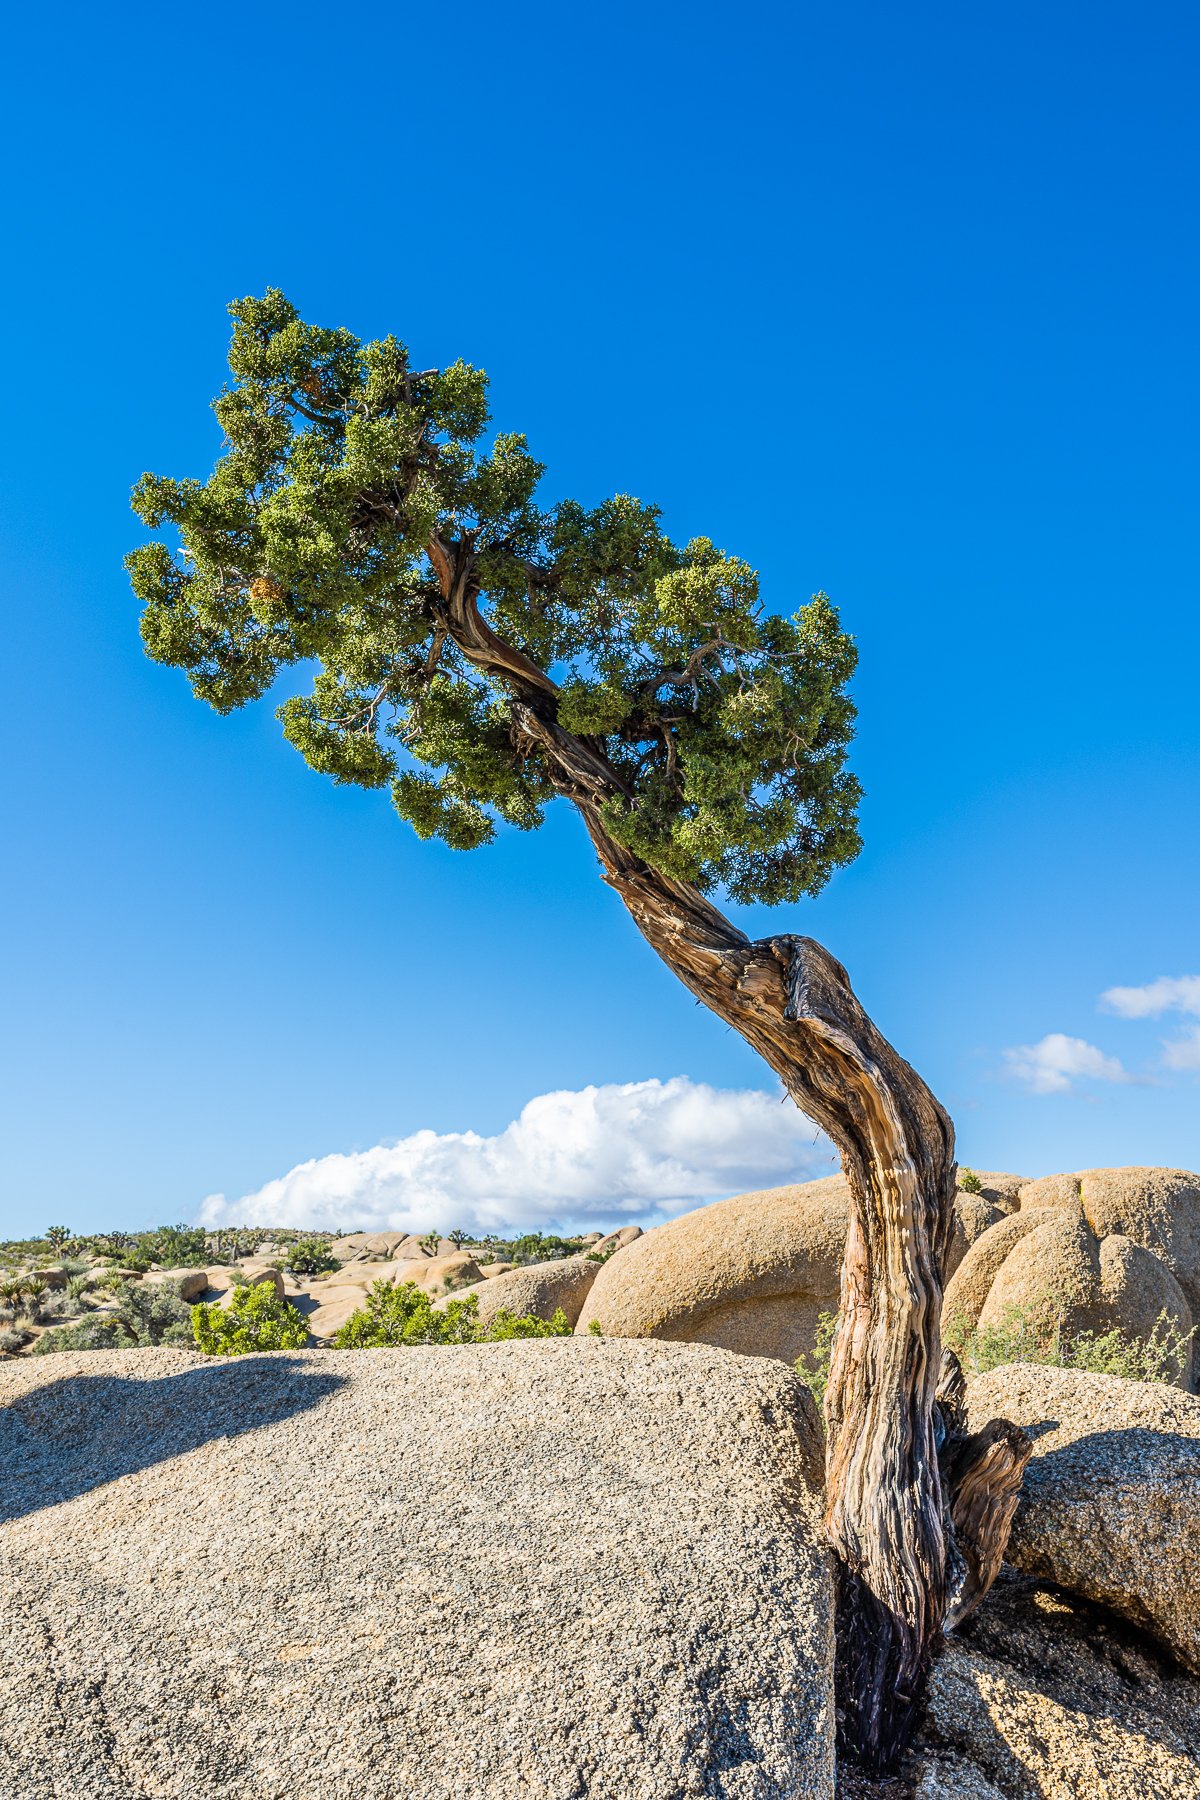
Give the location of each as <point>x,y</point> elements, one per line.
<point>895,302</point>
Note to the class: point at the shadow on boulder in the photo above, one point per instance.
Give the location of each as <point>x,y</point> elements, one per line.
<point>82,1431</point>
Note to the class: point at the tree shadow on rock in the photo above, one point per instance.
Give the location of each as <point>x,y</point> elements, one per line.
<point>69,1436</point>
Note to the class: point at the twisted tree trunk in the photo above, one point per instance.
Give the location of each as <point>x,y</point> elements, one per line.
<point>904,1482</point>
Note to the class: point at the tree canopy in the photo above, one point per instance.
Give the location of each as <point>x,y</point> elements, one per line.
<point>475,649</point>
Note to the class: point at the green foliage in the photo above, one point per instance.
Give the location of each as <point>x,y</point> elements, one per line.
<point>595,1328</point>
<point>311,1257</point>
<point>257,1318</point>
<point>150,1313</point>
<point>1037,1334</point>
<point>36,1289</point>
<point>177,1247</point>
<point>12,1292</point>
<point>394,1315</point>
<point>535,1247</point>
<point>508,1324</point>
<point>57,1236</point>
<point>1033,1334</point>
<point>813,1369</point>
<point>316,540</point>
<point>969,1182</point>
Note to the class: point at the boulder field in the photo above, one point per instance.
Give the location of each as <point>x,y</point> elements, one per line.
<point>546,1569</point>
<point>1108,1248</point>
<point>752,1274</point>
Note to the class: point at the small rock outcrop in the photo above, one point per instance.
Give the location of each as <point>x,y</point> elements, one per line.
<point>1110,1506</point>
<point>546,1569</point>
<point>539,1288</point>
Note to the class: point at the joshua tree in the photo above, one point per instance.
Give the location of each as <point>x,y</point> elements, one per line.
<point>479,655</point>
<point>36,1289</point>
<point>429,1243</point>
<point>12,1292</point>
<point>57,1236</point>
<point>459,1238</point>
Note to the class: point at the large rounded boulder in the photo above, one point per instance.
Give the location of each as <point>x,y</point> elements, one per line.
<point>1110,1505</point>
<point>1109,1249</point>
<point>541,1289</point>
<point>545,1570</point>
<point>1156,1208</point>
<point>751,1274</point>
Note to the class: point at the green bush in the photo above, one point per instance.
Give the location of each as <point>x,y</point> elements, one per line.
<point>1033,1334</point>
<point>148,1315</point>
<point>177,1246</point>
<point>813,1369</point>
<point>311,1257</point>
<point>257,1318</point>
<point>969,1182</point>
<point>393,1315</point>
<point>1038,1334</point>
<point>535,1248</point>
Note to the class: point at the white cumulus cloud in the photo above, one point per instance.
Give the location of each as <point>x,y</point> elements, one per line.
<point>1056,1062</point>
<point>1170,993</point>
<point>570,1161</point>
<point>1183,1053</point>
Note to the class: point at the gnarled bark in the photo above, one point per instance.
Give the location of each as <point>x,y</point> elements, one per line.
<point>902,1481</point>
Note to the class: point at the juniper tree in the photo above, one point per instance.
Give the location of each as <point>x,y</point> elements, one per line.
<point>478,654</point>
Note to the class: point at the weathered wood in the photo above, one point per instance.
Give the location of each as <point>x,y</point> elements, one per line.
<point>984,1474</point>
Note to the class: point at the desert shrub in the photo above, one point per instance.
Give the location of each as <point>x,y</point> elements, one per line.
<point>595,1327</point>
<point>257,1318</point>
<point>395,1315</point>
<point>12,1292</point>
<point>506,1324</point>
<point>77,1287</point>
<point>311,1257</point>
<point>1033,1334</point>
<point>404,1314</point>
<point>13,1339</point>
<point>1038,1334</point>
<point>147,1316</point>
<point>813,1369</point>
<point>969,1182</point>
<point>36,1290</point>
<point>602,1256</point>
<point>177,1246</point>
<point>534,1247</point>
